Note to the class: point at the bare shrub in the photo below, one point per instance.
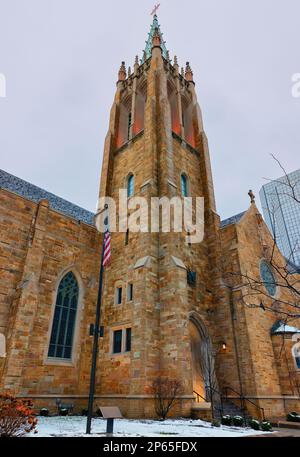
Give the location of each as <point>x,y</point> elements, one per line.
<point>16,416</point>
<point>166,392</point>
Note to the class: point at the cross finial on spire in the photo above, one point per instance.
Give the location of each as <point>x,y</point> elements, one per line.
<point>155,9</point>
<point>154,30</point>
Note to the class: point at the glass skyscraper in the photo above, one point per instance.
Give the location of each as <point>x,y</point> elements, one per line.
<point>282,213</point>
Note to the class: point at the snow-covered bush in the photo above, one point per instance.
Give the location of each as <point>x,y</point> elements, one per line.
<point>293,417</point>
<point>226,420</point>
<point>238,421</point>
<point>266,426</point>
<point>253,423</point>
<point>63,411</point>
<point>44,412</point>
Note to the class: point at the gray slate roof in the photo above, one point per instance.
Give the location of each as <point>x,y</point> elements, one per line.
<point>35,194</point>
<point>281,327</point>
<point>233,219</point>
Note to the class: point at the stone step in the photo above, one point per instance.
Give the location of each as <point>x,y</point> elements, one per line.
<point>201,410</point>
<point>201,405</point>
<point>231,409</point>
<point>286,424</point>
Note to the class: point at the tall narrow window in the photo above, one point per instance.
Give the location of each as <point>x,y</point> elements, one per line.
<point>130,292</point>
<point>128,340</point>
<point>117,341</point>
<point>184,186</point>
<point>129,125</point>
<point>130,186</point>
<point>62,332</point>
<point>127,237</point>
<point>119,296</point>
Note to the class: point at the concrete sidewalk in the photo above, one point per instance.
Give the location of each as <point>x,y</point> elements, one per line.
<point>281,432</point>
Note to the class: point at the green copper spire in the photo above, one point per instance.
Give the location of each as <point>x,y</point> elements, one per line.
<point>147,53</point>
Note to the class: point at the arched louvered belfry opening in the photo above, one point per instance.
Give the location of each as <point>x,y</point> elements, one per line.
<point>63,325</point>
<point>173,101</point>
<point>124,121</point>
<point>140,103</point>
<point>187,120</point>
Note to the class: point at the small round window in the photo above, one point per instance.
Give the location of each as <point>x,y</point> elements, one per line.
<point>268,278</point>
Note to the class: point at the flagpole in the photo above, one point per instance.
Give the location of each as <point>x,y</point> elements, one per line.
<point>95,344</point>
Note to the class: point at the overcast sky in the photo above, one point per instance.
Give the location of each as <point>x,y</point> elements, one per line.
<point>61,58</point>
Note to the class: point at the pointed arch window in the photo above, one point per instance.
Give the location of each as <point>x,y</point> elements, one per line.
<point>61,340</point>
<point>184,185</point>
<point>130,186</point>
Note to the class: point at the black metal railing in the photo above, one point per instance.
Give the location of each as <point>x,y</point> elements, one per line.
<point>216,406</point>
<point>209,398</point>
<point>198,396</point>
<point>213,394</point>
<point>242,399</point>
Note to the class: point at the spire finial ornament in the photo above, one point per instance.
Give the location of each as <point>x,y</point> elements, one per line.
<point>175,60</point>
<point>182,72</point>
<point>122,72</point>
<point>156,40</point>
<point>188,73</point>
<point>154,29</point>
<point>136,62</point>
<point>252,196</point>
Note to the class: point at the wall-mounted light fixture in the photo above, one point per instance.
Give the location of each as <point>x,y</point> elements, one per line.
<point>223,346</point>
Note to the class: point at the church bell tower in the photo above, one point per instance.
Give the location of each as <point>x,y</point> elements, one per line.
<point>159,290</point>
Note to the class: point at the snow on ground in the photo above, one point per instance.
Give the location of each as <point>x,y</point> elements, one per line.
<point>75,426</point>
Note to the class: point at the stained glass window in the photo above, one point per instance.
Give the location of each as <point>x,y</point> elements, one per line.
<point>130,186</point>
<point>63,325</point>
<point>267,277</point>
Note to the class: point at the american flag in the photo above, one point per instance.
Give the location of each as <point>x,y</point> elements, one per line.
<point>106,251</point>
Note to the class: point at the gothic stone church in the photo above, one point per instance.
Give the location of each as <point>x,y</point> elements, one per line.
<point>166,303</point>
